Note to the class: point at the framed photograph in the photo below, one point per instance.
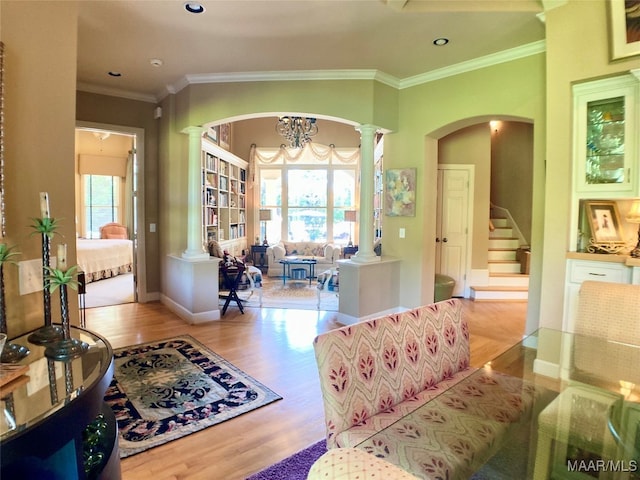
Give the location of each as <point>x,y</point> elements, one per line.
<point>604,221</point>
<point>213,134</point>
<point>225,135</point>
<point>400,198</point>
<point>624,28</point>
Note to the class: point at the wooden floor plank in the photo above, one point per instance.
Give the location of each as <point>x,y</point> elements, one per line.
<point>275,347</point>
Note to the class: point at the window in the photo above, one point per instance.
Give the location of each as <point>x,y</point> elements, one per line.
<point>308,192</point>
<point>101,196</point>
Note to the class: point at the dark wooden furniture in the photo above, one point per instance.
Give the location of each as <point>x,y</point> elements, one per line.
<point>51,408</point>
<point>286,268</point>
<point>348,251</point>
<point>259,255</point>
<point>231,275</point>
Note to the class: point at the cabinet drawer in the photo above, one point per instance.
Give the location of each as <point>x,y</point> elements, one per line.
<point>598,271</point>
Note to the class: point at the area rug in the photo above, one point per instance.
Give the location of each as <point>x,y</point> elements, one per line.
<point>295,467</point>
<point>167,389</point>
<point>293,294</point>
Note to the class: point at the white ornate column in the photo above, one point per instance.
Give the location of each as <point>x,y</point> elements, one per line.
<point>365,252</point>
<point>195,248</point>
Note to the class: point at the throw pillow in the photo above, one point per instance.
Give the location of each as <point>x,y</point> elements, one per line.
<point>215,250</point>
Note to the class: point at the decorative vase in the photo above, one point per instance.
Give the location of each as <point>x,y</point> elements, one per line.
<point>49,332</point>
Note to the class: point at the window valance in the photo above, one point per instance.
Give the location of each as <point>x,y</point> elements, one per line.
<point>310,154</point>
<point>102,165</point>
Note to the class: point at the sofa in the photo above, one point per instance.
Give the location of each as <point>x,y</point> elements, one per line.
<point>325,254</point>
<point>376,372</point>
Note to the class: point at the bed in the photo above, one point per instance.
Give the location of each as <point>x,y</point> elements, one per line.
<point>104,258</point>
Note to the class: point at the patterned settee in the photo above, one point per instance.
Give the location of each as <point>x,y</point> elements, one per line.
<point>326,255</point>
<point>376,372</point>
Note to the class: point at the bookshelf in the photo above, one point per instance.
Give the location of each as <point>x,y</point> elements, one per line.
<point>224,198</point>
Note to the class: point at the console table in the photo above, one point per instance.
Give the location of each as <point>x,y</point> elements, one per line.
<point>49,409</point>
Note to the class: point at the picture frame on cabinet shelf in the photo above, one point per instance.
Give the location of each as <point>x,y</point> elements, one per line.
<point>624,28</point>
<point>604,220</point>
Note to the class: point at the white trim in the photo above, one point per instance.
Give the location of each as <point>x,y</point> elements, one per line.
<point>140,267</point>
<point>186,315</point>
<point>523,51</point>
<point>475,64</point>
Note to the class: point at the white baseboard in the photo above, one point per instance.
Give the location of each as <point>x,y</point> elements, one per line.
<point>548,369</point>
<point>186,315</point>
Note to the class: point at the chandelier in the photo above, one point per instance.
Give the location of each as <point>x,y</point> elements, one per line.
<point>297,130</point>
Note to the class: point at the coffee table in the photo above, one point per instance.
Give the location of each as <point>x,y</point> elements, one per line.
<point>288,261</point>
<point>585,414</point>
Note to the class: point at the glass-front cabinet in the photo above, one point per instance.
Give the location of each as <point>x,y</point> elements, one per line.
<point>606,136</point>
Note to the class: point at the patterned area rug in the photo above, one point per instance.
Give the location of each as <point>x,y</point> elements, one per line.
<point>295,467</point>
<point>294,294</point>
<point>167,389</point>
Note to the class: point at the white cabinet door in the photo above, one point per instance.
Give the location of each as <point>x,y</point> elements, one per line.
<point>606,137</point>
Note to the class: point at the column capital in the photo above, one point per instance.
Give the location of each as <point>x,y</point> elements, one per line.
<point>367,128</point>
<point>193,130</point>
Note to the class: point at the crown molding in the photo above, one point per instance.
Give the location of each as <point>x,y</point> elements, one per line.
<point>475,64</point>
<point>114,92</point>
<point>291,75</point>
<point>308,75</point>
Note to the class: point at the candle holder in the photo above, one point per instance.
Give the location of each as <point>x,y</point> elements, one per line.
<point>66,348</point>
<point>49,332</point>
<point>12,352</point>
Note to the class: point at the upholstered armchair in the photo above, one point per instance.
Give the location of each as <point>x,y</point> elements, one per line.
<point>114,230</point>
<point>605,310</point>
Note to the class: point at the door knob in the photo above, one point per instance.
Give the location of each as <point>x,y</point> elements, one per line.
<point>437,240</point>
<point>444,239</point>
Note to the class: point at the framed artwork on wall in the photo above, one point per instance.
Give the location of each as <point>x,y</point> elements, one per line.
<point>604,221</point>
<point>400,197</point>
<point>213,134</point>
<point>225,135</point>
<point>624,28</point>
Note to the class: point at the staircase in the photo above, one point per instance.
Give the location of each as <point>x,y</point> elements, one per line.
<point>506,283</point>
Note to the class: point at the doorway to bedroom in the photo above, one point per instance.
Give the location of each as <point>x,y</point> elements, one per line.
<point>108,241</point>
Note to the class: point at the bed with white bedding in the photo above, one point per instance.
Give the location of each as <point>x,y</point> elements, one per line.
<point>104,258</point>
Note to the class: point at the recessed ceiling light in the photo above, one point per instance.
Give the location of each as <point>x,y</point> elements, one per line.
<point>193,7</point>
<point>156,62</point>
<point>439,42</point>
<point>115,74</point>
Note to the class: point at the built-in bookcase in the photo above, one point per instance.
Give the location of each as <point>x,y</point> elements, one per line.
<point>224,198</point>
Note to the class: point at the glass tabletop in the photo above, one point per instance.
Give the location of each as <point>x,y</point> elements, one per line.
<point>556,405</point>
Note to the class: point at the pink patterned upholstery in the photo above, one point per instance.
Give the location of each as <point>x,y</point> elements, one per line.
<point>376,371</point>
<point>453,435</point>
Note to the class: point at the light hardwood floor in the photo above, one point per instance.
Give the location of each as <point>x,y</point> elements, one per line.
<point>275,347</point>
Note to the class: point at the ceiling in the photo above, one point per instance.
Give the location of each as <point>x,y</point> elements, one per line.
<point>292,38</point>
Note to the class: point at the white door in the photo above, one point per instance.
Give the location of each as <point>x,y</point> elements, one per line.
<point>452,230</point>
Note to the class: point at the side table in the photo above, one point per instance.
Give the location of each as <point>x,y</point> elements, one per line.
<point>258,253</point>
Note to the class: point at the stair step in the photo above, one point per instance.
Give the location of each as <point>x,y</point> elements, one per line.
<point>504,266</point>
<point>501,232</point>
<point>499,293</point>
<point>502,254</point>
<point>503,243</point>
<point>508,280</point>
<point>500,222</point>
